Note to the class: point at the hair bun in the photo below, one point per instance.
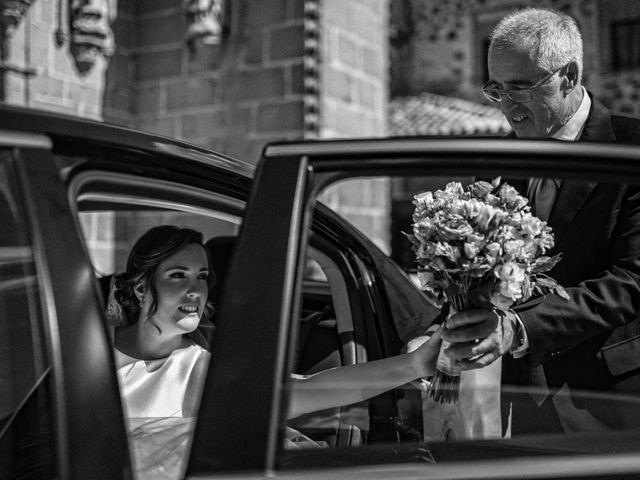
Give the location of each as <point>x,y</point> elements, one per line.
<point>123,291</point>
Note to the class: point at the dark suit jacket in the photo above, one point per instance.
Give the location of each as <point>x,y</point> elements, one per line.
<point>593,341</point>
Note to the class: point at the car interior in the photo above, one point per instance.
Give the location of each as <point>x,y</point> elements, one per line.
<point>326,335</point>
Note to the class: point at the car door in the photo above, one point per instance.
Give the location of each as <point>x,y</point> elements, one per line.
<point>245,398</point>
<point>60,395</point>
<point>72,207</point>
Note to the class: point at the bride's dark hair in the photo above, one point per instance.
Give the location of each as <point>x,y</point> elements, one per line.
<point>151,249</point>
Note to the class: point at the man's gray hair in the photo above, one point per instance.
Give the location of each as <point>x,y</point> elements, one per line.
<point>552,38</point>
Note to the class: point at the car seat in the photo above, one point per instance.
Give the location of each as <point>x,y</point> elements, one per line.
<point>220,251</point>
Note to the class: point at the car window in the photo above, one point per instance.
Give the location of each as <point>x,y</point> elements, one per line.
<point>397,314</point>
<point>26,417</point>
<point>408,414</point>
<point>111,222</point>
<point>370,292</point>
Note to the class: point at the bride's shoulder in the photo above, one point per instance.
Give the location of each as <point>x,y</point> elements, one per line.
<point>197,350</point>
<point>199,358</point>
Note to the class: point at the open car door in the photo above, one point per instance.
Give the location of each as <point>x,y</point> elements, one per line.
<point>241,424</point>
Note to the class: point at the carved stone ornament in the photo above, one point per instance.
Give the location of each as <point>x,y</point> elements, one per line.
<point>90,34</point>
<point>11,12</point>
<point>206,21</point>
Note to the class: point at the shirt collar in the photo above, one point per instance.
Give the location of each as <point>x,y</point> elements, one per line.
<point>571,130</point>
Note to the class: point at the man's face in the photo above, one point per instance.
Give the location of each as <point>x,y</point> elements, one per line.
<point>549,108</point>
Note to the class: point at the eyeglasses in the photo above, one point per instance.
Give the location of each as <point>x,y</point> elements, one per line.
<point>518,95</point>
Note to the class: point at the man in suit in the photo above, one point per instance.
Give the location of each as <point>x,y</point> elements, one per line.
<point>591,341</point>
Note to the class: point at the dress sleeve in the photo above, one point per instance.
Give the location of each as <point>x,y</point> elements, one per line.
<point>193,392</point>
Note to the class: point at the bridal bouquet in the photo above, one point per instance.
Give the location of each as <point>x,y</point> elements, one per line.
<point>478,246</point>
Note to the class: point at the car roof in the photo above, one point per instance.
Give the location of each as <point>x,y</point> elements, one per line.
<point>462,145</point>
<point>63,127</point>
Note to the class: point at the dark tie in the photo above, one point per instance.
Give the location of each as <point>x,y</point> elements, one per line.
<point>542,193</point>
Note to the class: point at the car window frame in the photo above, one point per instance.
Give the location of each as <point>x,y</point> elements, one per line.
<point>80,357</point>
<point>30,419</point>
<point>98,184</point>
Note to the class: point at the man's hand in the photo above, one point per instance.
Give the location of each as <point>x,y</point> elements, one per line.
<point>479,336</point>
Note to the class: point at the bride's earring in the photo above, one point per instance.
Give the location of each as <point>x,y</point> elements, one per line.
<point>140,293</point>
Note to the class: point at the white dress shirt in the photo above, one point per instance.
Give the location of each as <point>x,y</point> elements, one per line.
<point>569,132</point>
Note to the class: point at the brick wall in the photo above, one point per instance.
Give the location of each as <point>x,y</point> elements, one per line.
<point>353,102</point>
<point>232,97</point>
<point>268,81</point>
<point>354,58</point>
<point>288,69</point>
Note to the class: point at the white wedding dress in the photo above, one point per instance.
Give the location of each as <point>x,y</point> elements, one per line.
<point>160,400</point>
<point>167,387</point>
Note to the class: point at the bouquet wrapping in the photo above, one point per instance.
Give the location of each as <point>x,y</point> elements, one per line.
<point>478,246</point>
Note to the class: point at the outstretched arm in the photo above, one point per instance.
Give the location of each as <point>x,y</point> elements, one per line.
<point>355,383</point>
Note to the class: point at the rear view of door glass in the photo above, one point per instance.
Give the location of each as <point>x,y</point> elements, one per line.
<point>26,435</point>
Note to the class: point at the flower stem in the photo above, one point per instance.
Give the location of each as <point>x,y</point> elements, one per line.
<point>445,386</point>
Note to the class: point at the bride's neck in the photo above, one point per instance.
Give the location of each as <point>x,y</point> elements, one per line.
<point>143,341</point>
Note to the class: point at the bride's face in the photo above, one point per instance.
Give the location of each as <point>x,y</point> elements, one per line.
<point>181,291</point>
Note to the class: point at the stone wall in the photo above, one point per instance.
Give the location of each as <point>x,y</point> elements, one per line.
<point>354,58</point>
<point>618,89</point>
<point>353,102</point>
<point>119,83</point>
<point>233,96</point>
<point>432,47</point>
<point>41,72</point>
<point>283,70</point>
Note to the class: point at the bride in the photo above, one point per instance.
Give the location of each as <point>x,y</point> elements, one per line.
<point>157,305</point>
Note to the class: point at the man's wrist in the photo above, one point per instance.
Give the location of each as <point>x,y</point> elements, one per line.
<point>520,345</point>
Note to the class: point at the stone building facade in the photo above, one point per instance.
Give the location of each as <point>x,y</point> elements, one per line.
<point>276,69</point>
<point>231,75</point>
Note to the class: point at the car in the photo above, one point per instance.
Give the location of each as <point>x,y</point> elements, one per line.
<point>301,289</point>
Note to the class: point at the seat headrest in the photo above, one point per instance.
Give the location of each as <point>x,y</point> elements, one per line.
<point>220,250</point>
<point>105,286</point>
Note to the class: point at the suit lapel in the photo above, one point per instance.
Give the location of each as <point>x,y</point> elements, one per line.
<point>570,198</point>
<point>573,194</point>
<point>598,127</point>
